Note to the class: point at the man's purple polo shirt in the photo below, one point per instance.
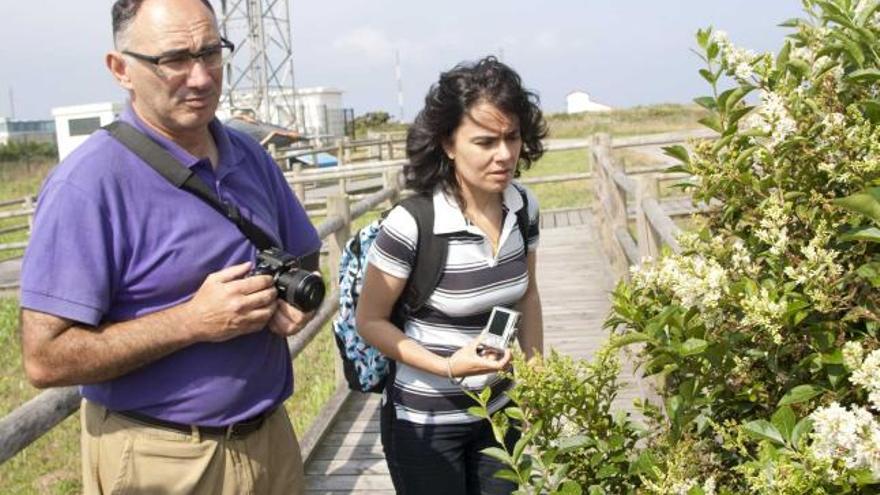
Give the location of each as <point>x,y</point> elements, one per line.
<point>113,240</point>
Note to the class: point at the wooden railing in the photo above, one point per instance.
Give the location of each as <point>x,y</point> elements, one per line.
<point>620,198</point>
<point>36,417</point>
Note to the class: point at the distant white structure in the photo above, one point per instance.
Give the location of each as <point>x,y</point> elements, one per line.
<point>319,111</point>
<point>73,124</point>
<point>35,131</point>
<point>579,102</point>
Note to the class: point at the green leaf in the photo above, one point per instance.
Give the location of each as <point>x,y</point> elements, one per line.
<point>863,75</point>
<point>866,202</point>
<point>762,429</point>
<point>630,338</point>
<point>567,444</point>
<point>678,152</point>
<point>708,76</point>
<point>478,411</point>
<point>870,272</point>
<point>499,454</point>
<point>706,102</point>
<point>784,53</point>
<point>712,122</point>
<point>514,413</point>
<point>793,22</point>
<point>784,420</point>
<point>802,428</point>
<point>869,234</point>
<point>800,393</point>
<point>570,487</point>
<point>871,110</point>
<point>798,67</point>
<point>693,346</point>
<point>507,474</point>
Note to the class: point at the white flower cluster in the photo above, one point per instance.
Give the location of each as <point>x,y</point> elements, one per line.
<point>852,355</point>
<point>695,281</point>
<point>861,5</point>
<point>684,487</point>
<point>762,311</point>
<point>772,229</point>
<point>737,61</point>
<point>776,118</point>
<point>819,269</point>
<point>852,436</point>
<point>867,375</point>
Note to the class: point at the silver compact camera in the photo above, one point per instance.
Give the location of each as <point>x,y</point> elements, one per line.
<point>500,329</point>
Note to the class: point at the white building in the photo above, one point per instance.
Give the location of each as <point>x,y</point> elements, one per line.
<point>579,101</point>
<point>74,124</point>
<point>319,110</point>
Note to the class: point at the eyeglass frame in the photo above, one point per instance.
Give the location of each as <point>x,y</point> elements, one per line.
<point>156,60</point>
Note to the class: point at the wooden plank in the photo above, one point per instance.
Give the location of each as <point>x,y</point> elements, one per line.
<point>351,466</point>
<point>350,482</point>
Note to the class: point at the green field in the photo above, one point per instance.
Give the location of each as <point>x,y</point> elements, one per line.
<point>51,465</point>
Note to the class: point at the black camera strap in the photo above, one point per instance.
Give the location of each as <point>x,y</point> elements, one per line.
<point>182,177</point>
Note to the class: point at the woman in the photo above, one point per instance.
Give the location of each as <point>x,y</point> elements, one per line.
<point>478,129</point>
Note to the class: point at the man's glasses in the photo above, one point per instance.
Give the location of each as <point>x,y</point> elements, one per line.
<point>179,63</point>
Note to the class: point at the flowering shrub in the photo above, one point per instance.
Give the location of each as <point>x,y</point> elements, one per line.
<point>762,334</point>
<point>756,330</point>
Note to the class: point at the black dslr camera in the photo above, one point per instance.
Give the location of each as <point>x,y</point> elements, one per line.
<point>299,287</point>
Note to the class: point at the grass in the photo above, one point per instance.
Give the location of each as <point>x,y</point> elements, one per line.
<point>627,121</point>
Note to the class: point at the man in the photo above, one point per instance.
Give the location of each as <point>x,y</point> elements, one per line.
<point>141,292</point>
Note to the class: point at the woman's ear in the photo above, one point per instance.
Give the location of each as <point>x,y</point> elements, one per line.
<point>449,149</point>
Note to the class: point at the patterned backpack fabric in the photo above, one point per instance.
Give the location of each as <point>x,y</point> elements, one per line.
<point>365,368</point>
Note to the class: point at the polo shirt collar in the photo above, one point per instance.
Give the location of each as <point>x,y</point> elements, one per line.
<point>449,218</point>
<point>229,155</point>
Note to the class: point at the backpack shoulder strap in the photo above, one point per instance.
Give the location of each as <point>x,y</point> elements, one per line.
<point>522,217</point>
<point>181,177</point>
<point>430,256</point>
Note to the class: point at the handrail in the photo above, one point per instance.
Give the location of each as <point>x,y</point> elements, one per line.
<point>613,188</point>
<point>30,421</point>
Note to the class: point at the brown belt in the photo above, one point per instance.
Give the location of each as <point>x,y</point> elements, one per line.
<point>235,430</point>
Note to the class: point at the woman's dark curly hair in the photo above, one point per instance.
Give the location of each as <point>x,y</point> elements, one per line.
<point>447,102</point>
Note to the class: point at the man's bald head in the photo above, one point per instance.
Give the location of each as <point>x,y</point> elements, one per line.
<point>124,11</point>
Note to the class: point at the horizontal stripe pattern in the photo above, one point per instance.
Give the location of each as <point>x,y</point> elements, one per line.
<point>473,281</point>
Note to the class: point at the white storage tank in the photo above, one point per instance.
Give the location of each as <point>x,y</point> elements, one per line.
<point>73,124</point>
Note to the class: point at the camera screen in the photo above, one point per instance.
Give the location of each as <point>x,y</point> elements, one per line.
<point>499,321</point>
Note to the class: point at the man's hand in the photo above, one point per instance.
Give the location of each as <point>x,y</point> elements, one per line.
<point>229,304</point>
<point>288,321</point>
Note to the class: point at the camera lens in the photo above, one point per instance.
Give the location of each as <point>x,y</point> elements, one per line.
<point>301,288</point>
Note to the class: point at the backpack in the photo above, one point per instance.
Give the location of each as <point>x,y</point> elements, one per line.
<point>365,368</point>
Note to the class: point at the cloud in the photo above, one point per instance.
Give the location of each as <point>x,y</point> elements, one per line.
<point>365,42</point>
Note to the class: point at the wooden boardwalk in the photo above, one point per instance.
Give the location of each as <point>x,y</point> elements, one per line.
<point>574,279</point>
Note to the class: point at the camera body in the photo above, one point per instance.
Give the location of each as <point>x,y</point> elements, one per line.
<point>298,287</point>
<point>500,329</point>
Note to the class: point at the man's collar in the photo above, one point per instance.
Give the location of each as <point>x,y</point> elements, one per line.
<point>228,155</point>
<point>449,218</point>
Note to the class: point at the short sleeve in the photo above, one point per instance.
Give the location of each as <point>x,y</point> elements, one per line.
<point>394,249</point>
<point>69,264</point>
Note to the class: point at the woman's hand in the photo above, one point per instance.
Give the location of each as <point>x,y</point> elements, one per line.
<point>469,361</point>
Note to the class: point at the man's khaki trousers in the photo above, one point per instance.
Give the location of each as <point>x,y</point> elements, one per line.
<point>122,456</point>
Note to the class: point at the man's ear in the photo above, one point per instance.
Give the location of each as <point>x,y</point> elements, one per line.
<point>118,68</point>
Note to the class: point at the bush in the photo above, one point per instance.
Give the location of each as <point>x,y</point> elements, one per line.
<point>26,151</point>
<point>763,332</point>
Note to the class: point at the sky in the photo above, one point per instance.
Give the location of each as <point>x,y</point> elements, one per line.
<point>623,53</point>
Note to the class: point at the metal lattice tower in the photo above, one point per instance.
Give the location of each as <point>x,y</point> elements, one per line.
<point>259,74</point>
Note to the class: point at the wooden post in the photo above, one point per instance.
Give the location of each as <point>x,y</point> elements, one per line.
<point>390,181</point>
<point>298,187</point>
<point>29,204</point>
<point>337,206</point>
<point>379,150</point>
<point>648,240</point>
<point>609,203</point>
<point>390,147</point>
